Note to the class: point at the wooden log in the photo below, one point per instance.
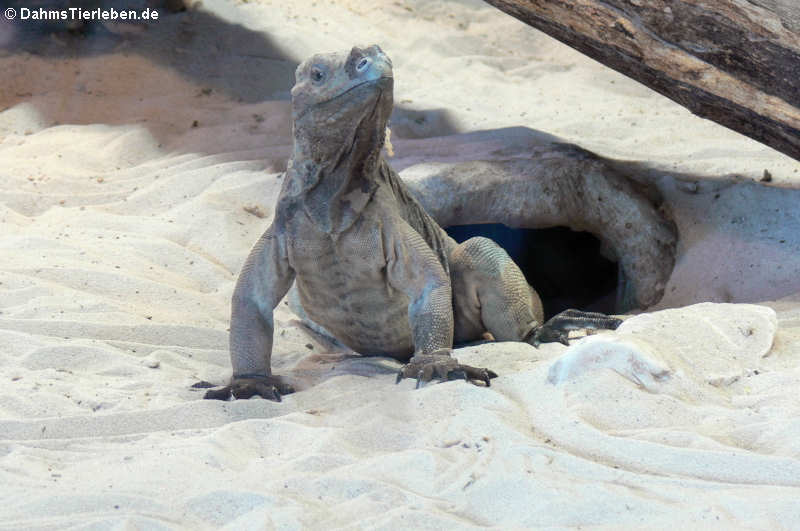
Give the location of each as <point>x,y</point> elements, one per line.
<point>736,62</point>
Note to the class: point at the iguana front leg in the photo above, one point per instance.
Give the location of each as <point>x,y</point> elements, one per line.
<point>265,278</point>
<point>412,266</point>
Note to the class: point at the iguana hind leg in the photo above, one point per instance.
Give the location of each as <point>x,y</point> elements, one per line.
<point>490,293</point>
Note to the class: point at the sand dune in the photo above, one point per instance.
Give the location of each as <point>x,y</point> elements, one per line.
<point>131,165</point>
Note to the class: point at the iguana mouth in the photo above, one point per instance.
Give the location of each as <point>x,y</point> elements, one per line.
<point>345,93</point>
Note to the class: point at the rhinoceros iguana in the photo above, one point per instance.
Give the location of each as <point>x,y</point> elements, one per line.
<point>370,265</point>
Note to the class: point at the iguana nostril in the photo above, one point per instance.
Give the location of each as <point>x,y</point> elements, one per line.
<point>362,64</point>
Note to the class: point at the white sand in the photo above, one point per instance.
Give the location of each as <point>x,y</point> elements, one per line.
<point>122,228</point>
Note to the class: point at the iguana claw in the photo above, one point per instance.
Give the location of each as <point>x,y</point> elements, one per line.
<point>557,328</point>
<point>426,367</point>
<point>269,387</point>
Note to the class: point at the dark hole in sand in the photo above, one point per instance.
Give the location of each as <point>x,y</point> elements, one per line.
<point>564,266</point>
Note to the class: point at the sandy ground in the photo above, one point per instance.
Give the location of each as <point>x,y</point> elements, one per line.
<point>128,159</point>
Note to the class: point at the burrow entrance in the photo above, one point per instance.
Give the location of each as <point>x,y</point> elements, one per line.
<point>564,266</point>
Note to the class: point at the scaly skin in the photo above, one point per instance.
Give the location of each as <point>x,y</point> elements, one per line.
<point>370,265</point>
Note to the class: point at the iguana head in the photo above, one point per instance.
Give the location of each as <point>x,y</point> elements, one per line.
<point>341,104</point>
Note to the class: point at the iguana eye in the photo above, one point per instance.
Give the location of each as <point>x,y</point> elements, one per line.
<point>317,75</point>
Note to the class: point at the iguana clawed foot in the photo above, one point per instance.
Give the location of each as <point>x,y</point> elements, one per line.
<point>269,387</point>
<point>442,366</point>
<point>557,327</point>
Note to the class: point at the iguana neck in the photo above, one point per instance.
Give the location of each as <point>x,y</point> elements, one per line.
<point>336,180</point>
